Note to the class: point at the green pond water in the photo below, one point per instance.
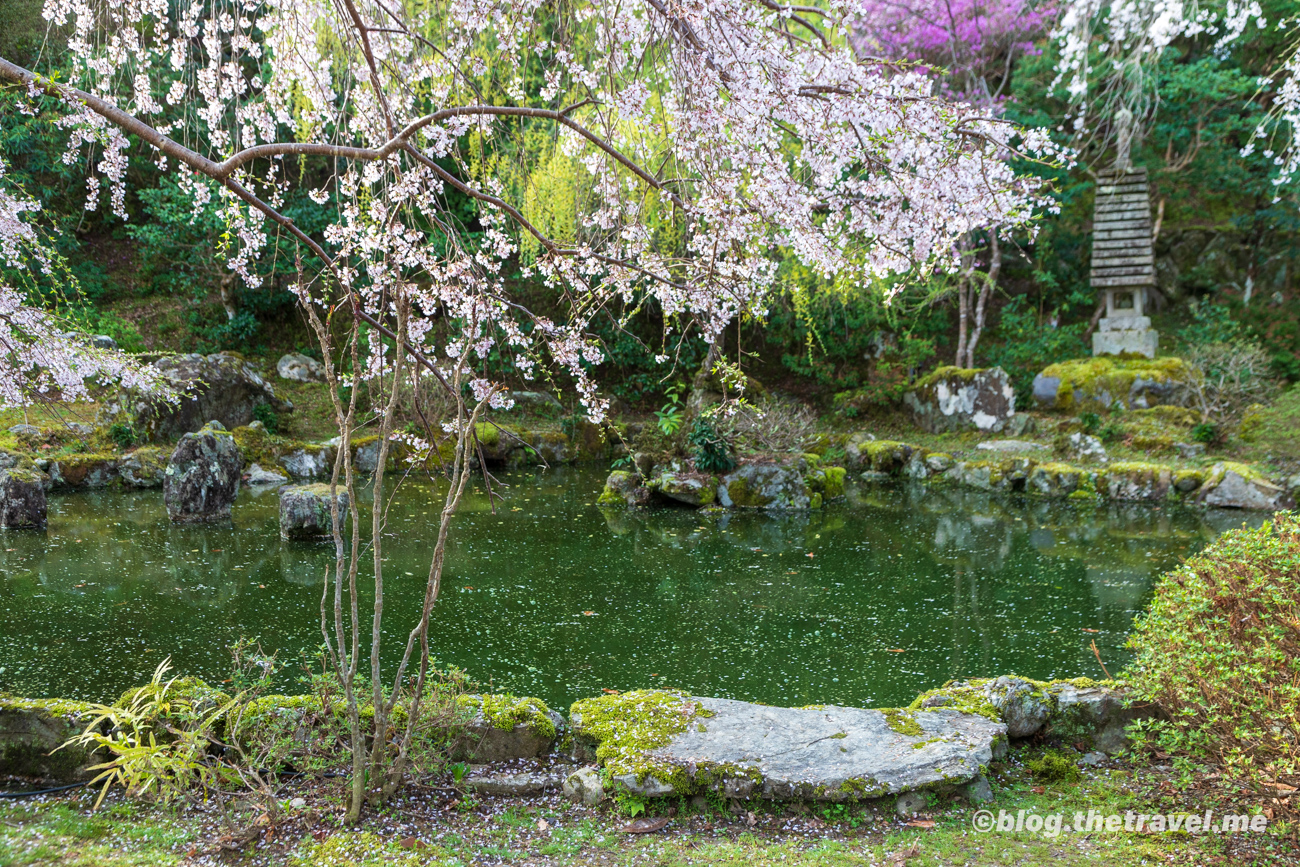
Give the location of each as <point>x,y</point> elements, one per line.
<point>866,602</point>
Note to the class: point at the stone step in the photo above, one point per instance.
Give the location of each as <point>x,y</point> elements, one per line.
<point>819,753</point>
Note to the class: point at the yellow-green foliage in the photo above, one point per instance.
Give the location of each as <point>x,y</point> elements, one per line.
<point>1086,382</point>
<point>184,693</point>
<point>1219,652</point>
<point>551,201</point>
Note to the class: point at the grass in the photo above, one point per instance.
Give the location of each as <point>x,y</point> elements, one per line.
<point>548,831</point>
<point>1275,431</point>
<point>124,835</point>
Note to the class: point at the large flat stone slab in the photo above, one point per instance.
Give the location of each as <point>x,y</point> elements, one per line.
<point>660,742</point>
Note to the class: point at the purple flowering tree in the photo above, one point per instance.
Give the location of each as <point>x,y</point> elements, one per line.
<point>970,48</point>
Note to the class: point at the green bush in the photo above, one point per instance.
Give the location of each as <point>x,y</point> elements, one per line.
<point>269,418</point>
<point>122,434</point>
<point>1219,653</point>
<point>1052,767</point>
<point>711,452</point>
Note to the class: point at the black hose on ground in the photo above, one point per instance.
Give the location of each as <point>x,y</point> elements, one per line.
<point>13,796</point>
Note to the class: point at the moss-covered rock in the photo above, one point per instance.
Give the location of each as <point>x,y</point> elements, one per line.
<point>31,732</point>
<point>144,468</point>
<point>953,398</point>
<point>500,728</point>
<point>621,731</point>
<point>1137,480</point>
<point>1233,485</point>
<point>1096,384</point>
<point>306,511</point>
<point>692,489</point>
<point>828,482</point>
<point>257,446</point>
<point>1055,480</point>
<point>202,477</point>
<point>624,488</point>
<point>84,471</point>
<point>766,483</point>
<point>22,499</point>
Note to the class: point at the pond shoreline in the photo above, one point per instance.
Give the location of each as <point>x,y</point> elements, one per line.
<point>497,730</point>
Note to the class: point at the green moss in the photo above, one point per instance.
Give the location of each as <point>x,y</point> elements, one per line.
<point>1052,767</point>
<point>829,482</point>
<point>740,494</point>
<point>887,456</point>
<point>74,469</point>
<point>902,721</point>
<point>505,712</point>
<point>1246,471</point>
<point>628,726</point>
<point>259,447</point>
<point>1177,416</point>
<point>967,697</point>
<point>369,850</point>
<point>947,374</point>
<point>1093,383</point>
<point>489,435</point>
<point>152,459</point>
<point>62,707</point>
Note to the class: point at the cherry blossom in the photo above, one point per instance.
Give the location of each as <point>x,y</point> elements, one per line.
<point>43,358</point>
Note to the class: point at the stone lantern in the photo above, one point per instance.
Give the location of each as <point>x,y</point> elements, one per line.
<point>1123,259</point>
<point>1123,262</point>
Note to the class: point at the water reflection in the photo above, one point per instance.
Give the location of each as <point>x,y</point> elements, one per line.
<point>864,602</point>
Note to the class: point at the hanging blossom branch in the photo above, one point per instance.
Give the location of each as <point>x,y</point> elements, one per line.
<point>705,93</point>
<point>42,357</point>
<point>1128,37</point>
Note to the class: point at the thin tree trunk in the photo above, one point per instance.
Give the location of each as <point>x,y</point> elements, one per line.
<point>963,319</point>
<point>228,295</point>
<point>981,309</point>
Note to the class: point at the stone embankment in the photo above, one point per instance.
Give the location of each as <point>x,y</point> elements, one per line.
<point>281,459</point>
<point>653,743</point>
<point>1027,467</point>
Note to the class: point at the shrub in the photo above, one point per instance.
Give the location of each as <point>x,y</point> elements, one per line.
<point>1052,767</point>
<point>1205,433</point>
<point>773,425</point>
<point>1219,653</point>
<point>269,418</point>
<point>709,448</point>
<point>122,434</point>
<point>1229,376</point>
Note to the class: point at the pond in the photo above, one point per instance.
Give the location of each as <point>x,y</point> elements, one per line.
<point>866,602</point>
